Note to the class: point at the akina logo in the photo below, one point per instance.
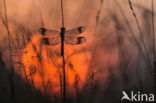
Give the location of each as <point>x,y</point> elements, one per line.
<point>138,97</point>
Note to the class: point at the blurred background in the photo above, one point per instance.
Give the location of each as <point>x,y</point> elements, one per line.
<point>112,60</point>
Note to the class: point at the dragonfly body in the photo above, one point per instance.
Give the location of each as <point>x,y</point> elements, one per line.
<point>62,34</point>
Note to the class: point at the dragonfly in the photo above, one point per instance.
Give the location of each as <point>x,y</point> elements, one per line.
<point>53,38</point>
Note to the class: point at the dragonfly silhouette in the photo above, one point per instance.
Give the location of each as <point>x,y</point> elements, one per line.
<point>53,37</point>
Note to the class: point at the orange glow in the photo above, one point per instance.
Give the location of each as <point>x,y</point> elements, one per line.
<point>47,68</point>
<point>43,66</point>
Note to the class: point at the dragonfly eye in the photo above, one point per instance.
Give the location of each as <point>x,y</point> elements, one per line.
<point>42,31</point>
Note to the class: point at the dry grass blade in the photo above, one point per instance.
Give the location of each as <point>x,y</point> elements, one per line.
<point>141,34</point>
<point>10,49</point>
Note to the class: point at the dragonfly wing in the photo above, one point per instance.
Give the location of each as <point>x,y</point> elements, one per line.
<point>74,32</point>
<point>47,32</point>
<point>75,40</point>
<point>50,41</point>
